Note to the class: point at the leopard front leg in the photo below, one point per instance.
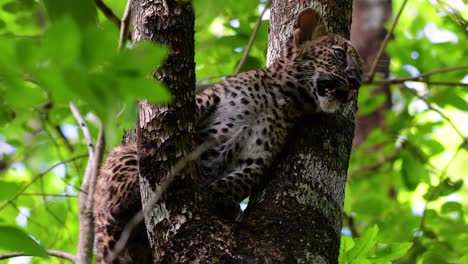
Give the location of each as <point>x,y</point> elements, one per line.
<point>227,192</point>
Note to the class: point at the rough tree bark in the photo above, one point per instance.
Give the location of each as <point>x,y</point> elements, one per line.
<point>297,218</point>
<point>303,205</point>
<point>368,31</point>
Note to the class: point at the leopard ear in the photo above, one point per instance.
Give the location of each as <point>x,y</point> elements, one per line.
<point>309,25</point>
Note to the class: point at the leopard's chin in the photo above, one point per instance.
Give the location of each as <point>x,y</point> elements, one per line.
<point>342,96</point>
<point>329,104</point>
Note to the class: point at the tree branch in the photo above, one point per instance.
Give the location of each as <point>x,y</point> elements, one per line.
<point>84,128</point>
<point>351,224</point>
<point>86,236</point>
<point>432,108</point>
<point>37,177</point>
<point>124,25</point>
<point>252,39</point>
<point>373,68</point>
<point>419,78</point>
<point>63,137</point>
<point>138,217</point>
<point>51,252</point>
<point>49,194</point>
<point>107,12</point>
<point>395,81</point>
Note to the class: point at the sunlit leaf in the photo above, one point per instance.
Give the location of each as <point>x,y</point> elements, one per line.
<point>391,251</point>
<point>346,244</point>
<point>445,188</point>
<point>450,207</point>
<point>8,189</point>
<point>18,241</point>
<point>363,244</point>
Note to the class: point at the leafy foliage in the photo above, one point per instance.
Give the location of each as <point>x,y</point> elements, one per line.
<point>408,208</point>
<point>417,196</point>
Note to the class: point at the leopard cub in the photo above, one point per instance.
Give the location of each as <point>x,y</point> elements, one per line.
<point>249,115</point>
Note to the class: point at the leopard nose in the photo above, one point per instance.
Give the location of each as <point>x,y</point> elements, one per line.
<point>354,78</point>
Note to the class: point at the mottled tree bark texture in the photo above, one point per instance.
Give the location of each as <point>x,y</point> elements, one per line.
<point>297,217</point>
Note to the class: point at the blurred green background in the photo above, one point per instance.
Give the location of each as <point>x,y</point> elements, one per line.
<point>406,195</point>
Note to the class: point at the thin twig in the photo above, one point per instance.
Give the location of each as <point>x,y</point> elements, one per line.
<point>64,138</point>
<point>124,24</point>
<point>432,108</point>
<point>84,128</point>
<point>51,252</point>
<point>384,44</point>
<point>419,78</point>
<point>107,12</point>
<point>441,83</point>
<point>37,177</point>
<point>351,224</point>
<point>138,217</point>
<point>252,39</point>
<point>31,220</point>
<point>84,251</point>
<point>49,194</point>
<point>36,36</point>
<point>442,178</point>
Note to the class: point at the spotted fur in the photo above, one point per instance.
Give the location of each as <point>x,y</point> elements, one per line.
<point>249,115</point>
<point>116,200</point>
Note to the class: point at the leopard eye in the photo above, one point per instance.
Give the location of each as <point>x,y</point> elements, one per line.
<point>339,54</point>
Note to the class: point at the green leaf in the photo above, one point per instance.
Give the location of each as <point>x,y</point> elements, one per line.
<point>83,12</point>
<point>346,244</point>
<point>412,172</point>
<point>141,60</point>
<point>448,97</point>
<point>364,244</point>
<point>372,204</point>
<point>464,260</point>
<point>18,6</point>
<point>445,188</point>
<point>99,45</point>
<point>6,113</point>
<point>385,252</point>
<point>434,258</point>
<point>8,189</point>
<point>62,42</point>
<point>251,63</point>
<point>15,240</point>
<point>15,96</point>
<point>12,7</point>
<point>450,207</point>
<point>368,101</point>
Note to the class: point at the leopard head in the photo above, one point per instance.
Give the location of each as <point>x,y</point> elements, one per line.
<point>331,66</point>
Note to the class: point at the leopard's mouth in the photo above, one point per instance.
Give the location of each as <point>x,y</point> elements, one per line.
<point>342,95</point>
<point>334,88</point>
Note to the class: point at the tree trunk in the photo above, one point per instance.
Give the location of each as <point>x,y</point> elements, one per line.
<point>297,218</point>
<point>302,207</point>
<point>165,133</point>
<point>368,32</point>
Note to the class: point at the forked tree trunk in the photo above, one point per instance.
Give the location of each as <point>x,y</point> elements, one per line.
<point>297,218</point>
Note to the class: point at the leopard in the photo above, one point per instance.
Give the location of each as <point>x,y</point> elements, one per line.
<point>249,116</point>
